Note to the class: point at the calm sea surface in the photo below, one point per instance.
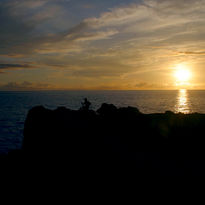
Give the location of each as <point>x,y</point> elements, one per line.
<point>14,106</point>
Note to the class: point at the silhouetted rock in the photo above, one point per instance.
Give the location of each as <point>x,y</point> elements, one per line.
<point>113,140</point>
<point>107,109</point>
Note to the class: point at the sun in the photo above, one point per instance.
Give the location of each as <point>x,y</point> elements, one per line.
<point>182,74</point>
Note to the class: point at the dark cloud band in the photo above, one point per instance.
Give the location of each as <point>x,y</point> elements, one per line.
<point>10,66</point>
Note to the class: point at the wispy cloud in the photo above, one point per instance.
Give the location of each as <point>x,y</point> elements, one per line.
<point>192,53</point>
<point>4,66</point>
<point>140,39</point>
<point>25,86</point>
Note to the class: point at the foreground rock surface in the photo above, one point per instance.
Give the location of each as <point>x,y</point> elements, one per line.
<point>112,141</point>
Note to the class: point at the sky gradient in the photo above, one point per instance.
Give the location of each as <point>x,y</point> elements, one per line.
<point>95,44</point>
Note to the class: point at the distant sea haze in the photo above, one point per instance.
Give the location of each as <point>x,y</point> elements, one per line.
<point>14,106</point>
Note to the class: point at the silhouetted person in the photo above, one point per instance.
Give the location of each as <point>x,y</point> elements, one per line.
<point>85,105</point>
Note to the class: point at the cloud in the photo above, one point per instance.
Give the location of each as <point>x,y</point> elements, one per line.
<point>21,5</point>
<point>153,20</point>
<point>174,6</point>
<point>145,85</point>
<point>153,86</point>
<point>143,36</point>
<point>23,29</point>
<point>135,19</point>
<point>15,86</point>
<point>26,24</point>
<point>192,53</point>
<point>137,38</point>
<point>88,6</point>
<point>119,16</point>
<point>151,23</point>
<point>4,66</point>
<point>151,12</point>
<point>86,36</point>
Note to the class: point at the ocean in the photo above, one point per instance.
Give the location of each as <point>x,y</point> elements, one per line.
<point>14,106</point>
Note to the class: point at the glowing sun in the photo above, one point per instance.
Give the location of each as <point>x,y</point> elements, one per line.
<point>182,74</point>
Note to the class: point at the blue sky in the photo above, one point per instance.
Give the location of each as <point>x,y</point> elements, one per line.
<point>95,44</point>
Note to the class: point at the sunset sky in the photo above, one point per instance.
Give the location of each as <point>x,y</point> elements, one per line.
<point>102,44</point>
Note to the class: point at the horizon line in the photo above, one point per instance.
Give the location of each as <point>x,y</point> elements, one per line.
<point>37,90</point>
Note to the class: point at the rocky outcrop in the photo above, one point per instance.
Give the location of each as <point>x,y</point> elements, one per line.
<point>115,138</point>
<point>110,142</point>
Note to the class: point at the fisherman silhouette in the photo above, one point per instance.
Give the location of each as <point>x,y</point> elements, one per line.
<point>85,105</point>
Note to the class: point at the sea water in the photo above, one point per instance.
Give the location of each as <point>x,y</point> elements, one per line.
<point>14,106</point>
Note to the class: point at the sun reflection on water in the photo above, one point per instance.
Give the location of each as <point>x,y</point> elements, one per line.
<point>182,102</point>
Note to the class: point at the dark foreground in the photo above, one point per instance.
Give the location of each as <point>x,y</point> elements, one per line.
<point>109,142</point>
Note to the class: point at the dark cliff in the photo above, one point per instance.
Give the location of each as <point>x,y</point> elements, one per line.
<point>115,140</point>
